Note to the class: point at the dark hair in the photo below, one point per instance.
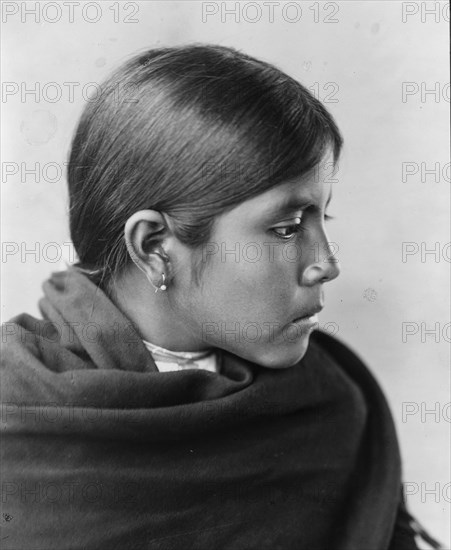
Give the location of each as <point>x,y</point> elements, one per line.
<point>190,131</point>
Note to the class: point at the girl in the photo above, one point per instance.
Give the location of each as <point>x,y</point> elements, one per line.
<point>175,394</point>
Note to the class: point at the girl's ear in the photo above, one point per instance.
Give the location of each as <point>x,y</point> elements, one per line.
<point>144,233</point>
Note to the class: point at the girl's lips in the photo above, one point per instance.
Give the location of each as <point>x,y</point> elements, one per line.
<point>312,319</point>
<point>313,311</point>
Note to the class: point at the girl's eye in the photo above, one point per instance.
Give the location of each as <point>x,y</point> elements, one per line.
<point>287,231</point>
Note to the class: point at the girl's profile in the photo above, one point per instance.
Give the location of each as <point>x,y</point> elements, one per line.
<point>177,392</point>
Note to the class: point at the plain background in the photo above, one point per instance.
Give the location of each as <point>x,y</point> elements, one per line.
<point>358,65</point>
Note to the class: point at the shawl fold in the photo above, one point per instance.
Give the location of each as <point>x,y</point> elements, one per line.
<point>100,450</point>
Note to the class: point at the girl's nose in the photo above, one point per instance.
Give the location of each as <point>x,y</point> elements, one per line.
<point>324,266</point>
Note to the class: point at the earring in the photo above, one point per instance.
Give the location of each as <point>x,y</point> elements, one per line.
<point>162,286</point>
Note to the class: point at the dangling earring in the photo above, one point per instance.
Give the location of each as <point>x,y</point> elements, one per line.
<point>162,286</point>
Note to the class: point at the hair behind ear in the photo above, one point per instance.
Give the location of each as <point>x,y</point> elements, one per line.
<point>206,128</point>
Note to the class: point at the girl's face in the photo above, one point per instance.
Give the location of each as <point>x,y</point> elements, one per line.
<point>266,264</point>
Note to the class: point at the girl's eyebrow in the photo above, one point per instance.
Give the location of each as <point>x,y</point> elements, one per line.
<point>293,204</point>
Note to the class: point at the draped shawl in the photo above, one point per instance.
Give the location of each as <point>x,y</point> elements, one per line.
<point>102,451</point>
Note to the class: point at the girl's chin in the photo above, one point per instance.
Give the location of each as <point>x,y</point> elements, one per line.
<point>282,357</point>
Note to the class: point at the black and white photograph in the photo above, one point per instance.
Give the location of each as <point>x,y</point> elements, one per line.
<point>225,265</point>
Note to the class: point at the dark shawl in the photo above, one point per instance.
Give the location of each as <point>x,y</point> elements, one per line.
<point>100,450</point>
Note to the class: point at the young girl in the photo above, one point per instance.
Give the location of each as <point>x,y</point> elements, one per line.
<point>176,394</point>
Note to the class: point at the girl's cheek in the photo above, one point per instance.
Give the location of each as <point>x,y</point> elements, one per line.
<point>256,269</point>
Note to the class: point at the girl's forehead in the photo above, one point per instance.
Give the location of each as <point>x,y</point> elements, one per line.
<point>283,200</point>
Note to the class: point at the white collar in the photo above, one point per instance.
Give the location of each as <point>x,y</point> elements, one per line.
<point>167,360</point>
